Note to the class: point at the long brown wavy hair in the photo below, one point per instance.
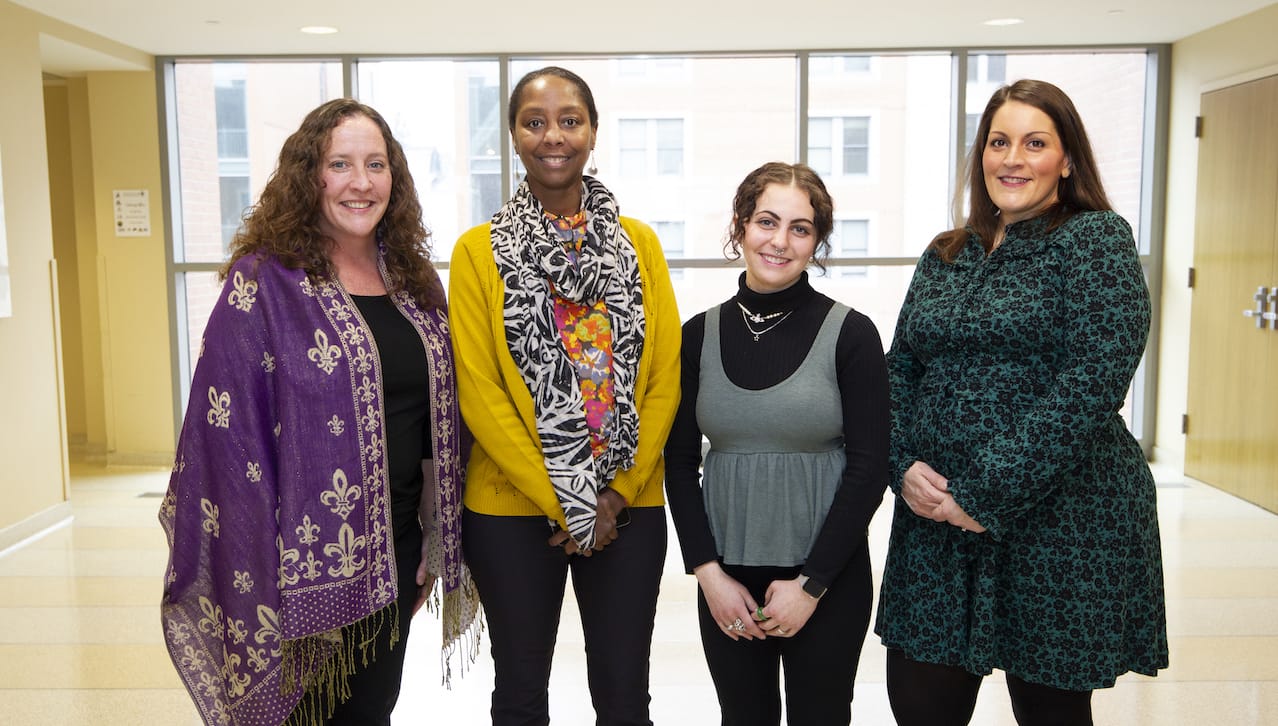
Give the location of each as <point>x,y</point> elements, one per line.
<point>1080,191</point>
<point>285,221</point>
<point>778,172</point>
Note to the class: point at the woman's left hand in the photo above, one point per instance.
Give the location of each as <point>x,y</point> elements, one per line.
<point>787,608</point>
<point>950,511</point>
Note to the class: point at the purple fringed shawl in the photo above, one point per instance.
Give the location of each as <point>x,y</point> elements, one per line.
<point>278,509</point>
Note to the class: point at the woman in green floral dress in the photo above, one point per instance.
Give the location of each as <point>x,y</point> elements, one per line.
<point>1025,534</point>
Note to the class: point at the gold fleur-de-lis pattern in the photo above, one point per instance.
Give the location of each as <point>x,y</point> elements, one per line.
<point>341,498</point>
<point>244,294</point>
<point>336,426</point>
<point>210,523</point>
<point>323,355</point>
<point>348,550</point>
<point>219,413</point>
<point>307,531</point>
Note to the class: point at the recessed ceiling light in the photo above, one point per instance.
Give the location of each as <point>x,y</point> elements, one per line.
<point>1003,21</point>
<point>319,29</point>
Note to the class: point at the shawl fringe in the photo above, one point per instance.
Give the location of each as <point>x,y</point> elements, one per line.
<point>326,662</point>
<point>463,623</point>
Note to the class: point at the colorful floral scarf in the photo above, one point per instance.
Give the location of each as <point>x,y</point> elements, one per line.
<point>533,265</point>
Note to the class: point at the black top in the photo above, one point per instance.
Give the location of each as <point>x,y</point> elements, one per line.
<point>406,397</point>
<point>756,365</point>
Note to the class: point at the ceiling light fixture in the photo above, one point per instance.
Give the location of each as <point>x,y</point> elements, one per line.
<point>999,22</point>
<point>319,30</point>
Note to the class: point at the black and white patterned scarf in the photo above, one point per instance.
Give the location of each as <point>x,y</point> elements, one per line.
<point>530,258</point>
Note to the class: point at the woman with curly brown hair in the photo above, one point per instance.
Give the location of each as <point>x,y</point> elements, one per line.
<point>790,389</point>
<point>315,500</point>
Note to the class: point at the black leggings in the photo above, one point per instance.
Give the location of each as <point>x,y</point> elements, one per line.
<point>521,581</point>
<point>819,661</point>
<point>928,694</point>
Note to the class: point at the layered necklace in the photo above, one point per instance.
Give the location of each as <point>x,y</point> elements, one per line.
<point>748,317</point>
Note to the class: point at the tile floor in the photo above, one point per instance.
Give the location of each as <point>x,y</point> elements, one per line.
<point>80,638</point>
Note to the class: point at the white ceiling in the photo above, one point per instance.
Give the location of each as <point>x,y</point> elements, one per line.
<point>271,27</point>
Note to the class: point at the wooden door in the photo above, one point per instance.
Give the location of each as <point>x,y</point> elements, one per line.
<point>1232,437</point>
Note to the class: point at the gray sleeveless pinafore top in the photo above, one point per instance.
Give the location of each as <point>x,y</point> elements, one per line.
<point>776,455</point>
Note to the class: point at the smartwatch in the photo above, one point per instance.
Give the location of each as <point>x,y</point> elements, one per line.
<point>813,588</point>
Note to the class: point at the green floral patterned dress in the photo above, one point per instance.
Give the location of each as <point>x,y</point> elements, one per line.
<point>1007,374</point>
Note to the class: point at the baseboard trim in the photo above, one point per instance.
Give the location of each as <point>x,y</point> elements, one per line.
<point>34,527</point>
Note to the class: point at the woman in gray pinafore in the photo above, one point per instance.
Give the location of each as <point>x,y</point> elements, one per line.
<point>790,388</point>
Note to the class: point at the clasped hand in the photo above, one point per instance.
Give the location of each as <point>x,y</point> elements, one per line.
<point>608,505</point>
<point>786,611</point>
<point>927,493</point>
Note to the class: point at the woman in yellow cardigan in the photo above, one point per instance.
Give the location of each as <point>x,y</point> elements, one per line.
<point>567,346</point>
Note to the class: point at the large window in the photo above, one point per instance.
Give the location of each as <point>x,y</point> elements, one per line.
<point>447,116</point>
<point>677,133</point>
<point>227,122</point>
<point>839,146</point>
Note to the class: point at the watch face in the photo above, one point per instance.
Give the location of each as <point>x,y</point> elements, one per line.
<point>813,589</point>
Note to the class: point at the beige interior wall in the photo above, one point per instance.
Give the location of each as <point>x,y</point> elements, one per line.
<point>32,450</point>
<point>131,271</point>
<point>1236,49</point>
<point>93,447</point>
<point>62,211</point>
<point>58,173</point>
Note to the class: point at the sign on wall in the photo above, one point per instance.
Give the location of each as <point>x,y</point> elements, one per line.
<point>132,209</point>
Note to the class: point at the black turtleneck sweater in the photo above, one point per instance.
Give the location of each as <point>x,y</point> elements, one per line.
<point>755,365</point>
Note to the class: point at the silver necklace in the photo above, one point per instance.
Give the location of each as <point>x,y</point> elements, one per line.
<point>748,316</point>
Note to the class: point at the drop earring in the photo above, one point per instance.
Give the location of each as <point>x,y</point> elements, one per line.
<point>593,169</point>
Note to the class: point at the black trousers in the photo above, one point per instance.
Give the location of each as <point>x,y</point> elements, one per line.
<point>375,687</point>
<point>819,661</point>
<point>521,581</point>
<point>929,694</point>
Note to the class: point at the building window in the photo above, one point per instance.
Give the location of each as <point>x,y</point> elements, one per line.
<point>851,238</point>
<point>672,244</point>
<point>840,145</point>
<point>969,131</point>
<point>231,109</point>
<point>235,198</point>
<point>484,108</point>
<point>651,147</point>
<point>987,69</point>
<point>230,106</point>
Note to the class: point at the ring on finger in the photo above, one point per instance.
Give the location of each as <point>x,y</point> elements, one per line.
<point>737,626</point>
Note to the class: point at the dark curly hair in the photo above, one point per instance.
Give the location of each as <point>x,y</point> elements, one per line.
<point>778,172</point>
<point>285,221</point>
<point>1080,191</point>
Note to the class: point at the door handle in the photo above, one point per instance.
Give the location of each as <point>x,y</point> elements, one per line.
<point>1262,298</point>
